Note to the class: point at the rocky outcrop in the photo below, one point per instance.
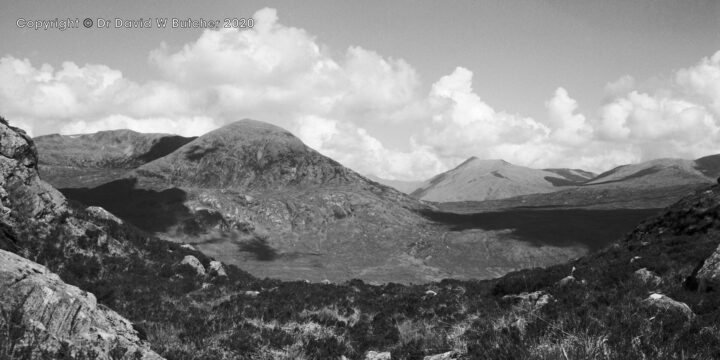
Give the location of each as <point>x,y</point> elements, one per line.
<point>708,277</point>
<point>23,196</point>
<point>665,303</point>
<point>216,269</point>
<point>51,315</point>
<point>102,214</point>
<point>194,263</point>
<point>444,356</point>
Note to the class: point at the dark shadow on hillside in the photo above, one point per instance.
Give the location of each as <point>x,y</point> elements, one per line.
<point>164,146</point>
<point>594,229</point>
<point>147,209</point>
<point>260,249</point>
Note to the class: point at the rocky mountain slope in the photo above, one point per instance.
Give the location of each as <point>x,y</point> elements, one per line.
<point>478,180</point>
<point>94,159</point>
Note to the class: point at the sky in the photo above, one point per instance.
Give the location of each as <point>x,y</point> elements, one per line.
<point>401,90</point>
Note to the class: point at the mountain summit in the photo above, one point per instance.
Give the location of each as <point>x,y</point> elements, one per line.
<point>247,154</point>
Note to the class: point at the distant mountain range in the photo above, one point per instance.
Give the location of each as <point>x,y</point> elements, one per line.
<point>477,180</point>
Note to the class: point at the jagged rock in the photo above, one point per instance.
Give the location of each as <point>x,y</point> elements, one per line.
<point>217,269</point>
<point>708,277</point>
<point>103,214</point>
<point>53,313</point>
<point>194,263</point>
<point>374,355</point>
<point>444,356</point>
<point>648,277</point>
<point>665,303</point>
<point>534,300</point>
<point>23,196</point>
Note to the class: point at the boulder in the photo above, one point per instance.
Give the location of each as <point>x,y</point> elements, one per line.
<point>102,214</point>
<point>567,280</point>
<point>444,356</point>
<point>217,269</point>
<point>534,300</point>
<point>648,277</point>
<point>708,277</point>
<point>52,314</point>
<point>665,303</point>
<point>374,355</point>
<point>194,263</point>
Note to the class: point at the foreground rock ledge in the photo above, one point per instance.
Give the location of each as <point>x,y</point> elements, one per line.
<point>52,315</point>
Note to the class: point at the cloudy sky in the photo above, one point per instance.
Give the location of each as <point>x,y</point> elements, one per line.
<point>401,90</point>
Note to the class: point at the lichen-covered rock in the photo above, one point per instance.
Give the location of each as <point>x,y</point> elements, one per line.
<point>23,196</point>
<point>51,313</point>
<point>194,263</point>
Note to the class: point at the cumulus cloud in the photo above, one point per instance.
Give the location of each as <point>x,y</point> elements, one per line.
<point>284,75</point>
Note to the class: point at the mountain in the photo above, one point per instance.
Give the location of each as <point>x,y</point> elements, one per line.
<point>94,159</point>
<point>405,187</point>
<point>477,180</point>
<point>248,155</point>
<point>253,195</point>
<point>654,173</point>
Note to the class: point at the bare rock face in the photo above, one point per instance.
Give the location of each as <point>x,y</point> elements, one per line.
<point>52,315</point>
<point>709,275</point>
<point>23,196</point>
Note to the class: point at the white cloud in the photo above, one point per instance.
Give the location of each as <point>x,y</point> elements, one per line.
<point>283,75</point>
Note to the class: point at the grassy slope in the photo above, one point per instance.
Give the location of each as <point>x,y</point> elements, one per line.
<point>604,318</point>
